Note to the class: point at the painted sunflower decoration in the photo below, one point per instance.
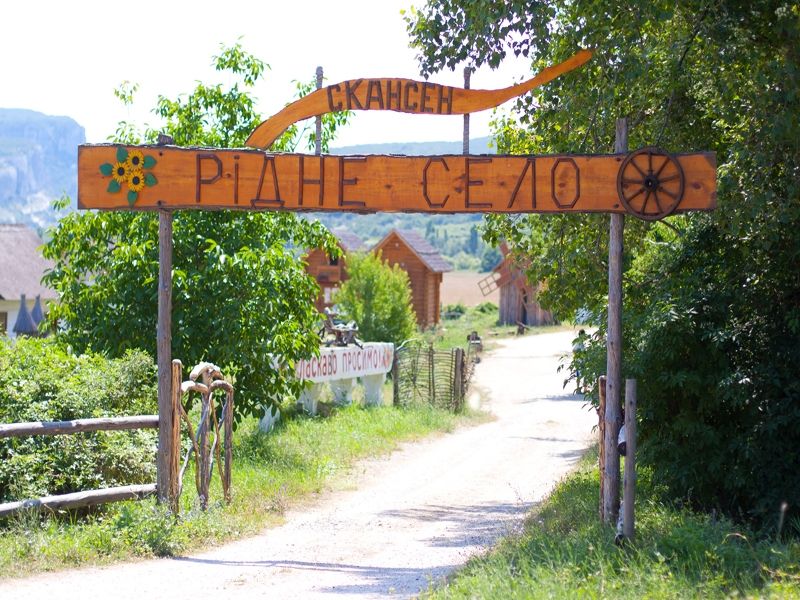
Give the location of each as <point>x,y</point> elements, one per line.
<point>131,169</point>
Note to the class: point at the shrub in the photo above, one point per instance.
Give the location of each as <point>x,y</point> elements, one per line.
<point>41,380</point>
<point>486,308</point>
<point>378,298</point>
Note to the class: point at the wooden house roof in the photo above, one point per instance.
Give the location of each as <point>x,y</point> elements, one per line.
<point>348,240</point>
<point>421,248</point>
<point>22,264</point>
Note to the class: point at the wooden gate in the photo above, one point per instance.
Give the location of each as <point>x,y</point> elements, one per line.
<point>424,375</point>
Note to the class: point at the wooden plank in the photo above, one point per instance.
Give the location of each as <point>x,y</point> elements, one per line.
<point>401,95</point>
<point>194,178</point>
<point>173,492</point>
<point>165,461</point>
<point>80,499</point>
<point>614,350</point>
<point>629,496</point>
<point>78,426</point>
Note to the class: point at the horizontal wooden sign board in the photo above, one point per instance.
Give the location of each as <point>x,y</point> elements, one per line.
<point>167,177</point>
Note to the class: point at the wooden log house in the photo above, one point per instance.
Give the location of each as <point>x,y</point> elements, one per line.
<point>331,272</point>
<point>424,266</point>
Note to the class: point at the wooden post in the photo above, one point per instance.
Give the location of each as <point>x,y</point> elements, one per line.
<point>465,142</point>
<point>458,379</point>
<point>318,120</point>
<point>175,446</point>
<point>395,380</point>
<point>629,495</point>
<point>165,475</point>
<point>601,426</point>
<point>614,349</point>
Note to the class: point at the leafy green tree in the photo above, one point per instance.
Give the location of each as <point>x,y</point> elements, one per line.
<point>378,298</point>
<point>240,294</point>
<point>711,311</point>
<point>490,259</point>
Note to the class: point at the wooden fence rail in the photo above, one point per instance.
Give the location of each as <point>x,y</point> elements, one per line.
<point>207,445</point>
<point>78,426</point>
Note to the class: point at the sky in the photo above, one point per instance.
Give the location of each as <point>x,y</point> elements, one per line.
<point>66,58</point>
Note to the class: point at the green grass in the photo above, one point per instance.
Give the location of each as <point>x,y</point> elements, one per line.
<point>300,458</point>
<point>565,553</point>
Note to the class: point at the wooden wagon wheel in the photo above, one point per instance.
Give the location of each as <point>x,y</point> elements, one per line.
<point>650,183</point>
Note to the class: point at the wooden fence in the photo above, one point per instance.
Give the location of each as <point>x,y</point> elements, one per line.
<point>205,444</point>
<point>422,374</point>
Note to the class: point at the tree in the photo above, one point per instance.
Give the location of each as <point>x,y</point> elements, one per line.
<point>240,294</point>
<point>472,245</point>
<point>378,298</point>
<point>711,310</point>
<point>490,259</point>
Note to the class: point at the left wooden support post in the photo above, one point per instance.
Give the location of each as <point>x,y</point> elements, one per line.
<point>166,465</point>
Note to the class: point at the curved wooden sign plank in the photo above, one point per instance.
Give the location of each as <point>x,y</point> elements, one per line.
<point>400,95</point>
<point>207,179</point>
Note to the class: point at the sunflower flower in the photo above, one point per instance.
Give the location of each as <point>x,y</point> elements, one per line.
<point>135,160</point>
<point>136,181</point>
<point>120,172</point>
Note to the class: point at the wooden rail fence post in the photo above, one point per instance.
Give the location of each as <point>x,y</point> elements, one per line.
<point>175,445</point>
<point>458,379</point>
<point>629,496</point>
<point>165,465</point>
<point>614,349</point>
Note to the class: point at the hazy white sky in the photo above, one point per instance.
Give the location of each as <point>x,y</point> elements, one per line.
<point>65,58</point>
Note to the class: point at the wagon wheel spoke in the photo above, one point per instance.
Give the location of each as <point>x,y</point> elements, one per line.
<point>641,189</point>
<point>649,162</point>
<point>634,181</point>
<point>670,178</point>
<point>635,166</point>
<point>664,164</point>
<point>658,203</point>
<point>661,188</point>
<point>646,200</point>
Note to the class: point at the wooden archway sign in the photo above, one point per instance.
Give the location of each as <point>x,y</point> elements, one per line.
<point>650,184</point>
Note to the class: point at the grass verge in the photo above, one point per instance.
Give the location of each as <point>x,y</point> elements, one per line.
<point>300,458</point>
<point>565,553</point>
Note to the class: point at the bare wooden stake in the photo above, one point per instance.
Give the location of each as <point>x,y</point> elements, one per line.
<point>614,349</point>
<point>165,476</point>
<point>601,426</point>
<point>318,123</point>
<point>465,143</point>
<point>629,495</point>
<point>175,446</point>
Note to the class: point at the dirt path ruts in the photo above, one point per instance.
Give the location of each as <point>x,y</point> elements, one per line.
<point>413,517</point>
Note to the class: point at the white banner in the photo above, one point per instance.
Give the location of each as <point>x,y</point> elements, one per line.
<point>338,362</point>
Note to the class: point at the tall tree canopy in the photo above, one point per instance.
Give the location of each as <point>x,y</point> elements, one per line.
<point>712,301</point>
<point>241,295</point>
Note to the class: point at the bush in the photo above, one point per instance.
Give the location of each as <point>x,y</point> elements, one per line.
<point>378,298</point>
<point>486,308</point>
<point>454,311</point>
<point>40,380</point>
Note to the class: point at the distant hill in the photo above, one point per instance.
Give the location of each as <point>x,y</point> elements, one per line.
<point>38,163</point>
<point>476,146</point>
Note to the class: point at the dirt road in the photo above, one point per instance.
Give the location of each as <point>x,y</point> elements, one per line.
<point>413,517</point>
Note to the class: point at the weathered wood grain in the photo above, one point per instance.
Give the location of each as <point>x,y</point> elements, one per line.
<point>629,495</point>
<point>194,178</point>
<point>78,426</point>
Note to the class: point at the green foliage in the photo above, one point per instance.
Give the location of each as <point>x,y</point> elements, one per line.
<point>565,553</point>
<point>378,298</point>
<point>490,259</point>
<point>40,380</point>
<point>454,311</point>
<point>240,294</point>
<point>711,310</point>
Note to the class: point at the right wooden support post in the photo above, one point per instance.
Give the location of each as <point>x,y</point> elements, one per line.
<point>629,495</point>
<point>614,350</point>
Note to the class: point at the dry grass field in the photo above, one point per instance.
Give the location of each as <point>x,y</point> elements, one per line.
<point>462,286</point>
